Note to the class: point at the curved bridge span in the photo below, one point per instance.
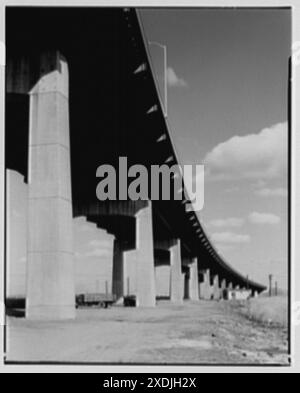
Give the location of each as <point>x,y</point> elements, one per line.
<point>78,98</point>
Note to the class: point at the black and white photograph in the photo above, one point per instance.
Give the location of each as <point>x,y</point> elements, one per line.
<point>148,179</point>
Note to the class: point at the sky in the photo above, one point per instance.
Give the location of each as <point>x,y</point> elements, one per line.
<point>227,108</point>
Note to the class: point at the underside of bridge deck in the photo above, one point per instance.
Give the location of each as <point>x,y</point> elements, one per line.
<point>77,98</point>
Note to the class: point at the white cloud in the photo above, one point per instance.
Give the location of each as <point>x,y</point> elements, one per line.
<point>256,156</point>
<point>82,225</point>
<point>231,190</point>
<point>264,218</point>
<point>97,252</point>
<point>230,238</point>
<point>227,222</point>
<point>223,248</point>
<point>272,192</point>
<point>174,80</point>
<point>96,248</point>
<point>16,214</point>
<point>86,228</point>
<point>100,243</point>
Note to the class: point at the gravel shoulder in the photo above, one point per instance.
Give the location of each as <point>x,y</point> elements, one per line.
<point>195,333</point>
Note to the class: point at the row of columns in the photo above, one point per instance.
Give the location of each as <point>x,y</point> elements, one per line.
<point>142,259</point>
<point>50,273</point>
<point>211,288</point>
<point>177,278</point>
<point>50,270</point>
<point>136,271</point>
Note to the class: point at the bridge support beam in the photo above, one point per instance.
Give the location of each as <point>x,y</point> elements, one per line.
<point>205,288</point>
<point>216,288</point>
<point>254,294</point>
<point>223,289</point>
<point>177,279</point>
<point>162,281</point>
<point>193,281</point>
<point>141,261</point>
<point>118,271</point>
<point>146,292</point>
<point>50,272</point>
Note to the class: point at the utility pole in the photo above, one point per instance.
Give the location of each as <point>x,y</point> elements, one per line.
<point>276,288</point>
<point>271,284</point>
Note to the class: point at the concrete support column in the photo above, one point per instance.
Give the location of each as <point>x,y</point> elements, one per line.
<point>177,283</point>
<point>162,281</point>
<point>118,271</point>
<point>193,282</point>
<point>255,294</point>
<point>146,292</point>
<point>230,286</point>
<point>216,288</point>
<point>223,289</point>
<point>205,289</point>
<point>50,270</point>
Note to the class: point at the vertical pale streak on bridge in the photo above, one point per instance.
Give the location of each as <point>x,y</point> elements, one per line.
<point>74,128</point>
<point>50,283</point>
<point>146,292</point>
<point>176,273</point>
<point>193,280</point>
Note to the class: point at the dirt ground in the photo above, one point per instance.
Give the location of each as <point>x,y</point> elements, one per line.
<point>194,333</point>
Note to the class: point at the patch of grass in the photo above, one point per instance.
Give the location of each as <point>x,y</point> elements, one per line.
<point>271,311</point>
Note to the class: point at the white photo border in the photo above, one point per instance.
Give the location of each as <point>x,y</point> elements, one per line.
<point>295,186</point>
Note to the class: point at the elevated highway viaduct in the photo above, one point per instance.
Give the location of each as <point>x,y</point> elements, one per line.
<point>80,93</point>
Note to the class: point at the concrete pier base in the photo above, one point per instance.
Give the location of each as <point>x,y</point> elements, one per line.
<point>118,271</point>
<point>177,278</point>
<point>223,289</point>
<point>205,288</point>
<point>255,294</point>
<point>139,263</point>
<point>146,291</point>
<point>50,271</point>
<point>216,288</point>
<point>193,281</point>
<point>162,282</point>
